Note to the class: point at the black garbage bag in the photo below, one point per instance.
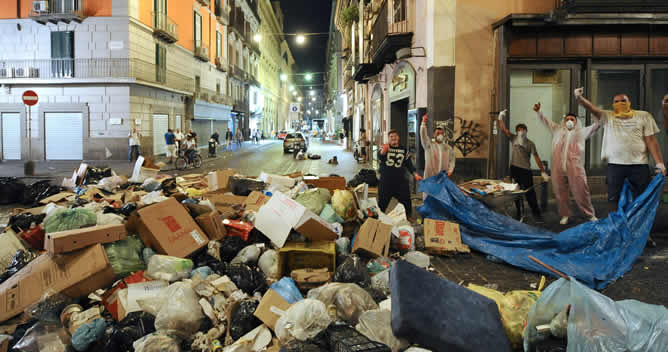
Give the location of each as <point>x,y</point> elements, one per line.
<point>20,332</point>
<point>377,294</point>
<point>230,247</point>
<point>242,186</point>
<point>38,191</point>
<point>353,270</point>
<point>11,190</point>
<point>19,260</point>
<point>243,320</point>
<point>247,279</point>
<point>21,222</point>
<point>367,176</point>
<point>344,338</point>
<point>120,337</point>
<point>95,174</point>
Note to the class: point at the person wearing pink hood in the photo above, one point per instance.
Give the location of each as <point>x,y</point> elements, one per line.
<point>438,154</point>
<point>568,172</point>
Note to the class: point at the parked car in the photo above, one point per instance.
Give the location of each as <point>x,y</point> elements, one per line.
<point>282,134</point>
<point>294,140</point>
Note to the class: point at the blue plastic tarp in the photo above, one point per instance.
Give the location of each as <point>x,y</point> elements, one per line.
<point>596,253</point>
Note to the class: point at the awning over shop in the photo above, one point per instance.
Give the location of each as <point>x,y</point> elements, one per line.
<point>364,71</point>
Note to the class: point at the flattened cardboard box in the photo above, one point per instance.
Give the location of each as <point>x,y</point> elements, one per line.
<point>373,238</point>
<point>76,274</point>
<point>269,306</point>
<point>68,241</point>
<point>302,255</point>
<point>331,182</point>
<point>212,224</point>
<point>169,229</point>
<point>219,179</point>
<point>225,203</point>
<point>255,200</point>
<point>443,237</point>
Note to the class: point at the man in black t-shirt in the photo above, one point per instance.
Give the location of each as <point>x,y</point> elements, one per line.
<point>394,161</point>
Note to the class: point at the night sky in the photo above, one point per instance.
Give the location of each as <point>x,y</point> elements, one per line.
<point>308,16</point>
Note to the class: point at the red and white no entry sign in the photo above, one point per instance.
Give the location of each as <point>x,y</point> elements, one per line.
<point>30,98</point>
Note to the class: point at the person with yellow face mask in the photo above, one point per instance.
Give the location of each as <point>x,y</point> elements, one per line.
<point>628,136</point>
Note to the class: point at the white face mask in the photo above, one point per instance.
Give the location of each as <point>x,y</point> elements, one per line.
<point>570,124</point>
<point>440,138</point>
<point>522,134</point>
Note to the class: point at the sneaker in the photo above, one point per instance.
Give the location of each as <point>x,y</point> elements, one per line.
<point>564,220</point>
<point>593,218</point>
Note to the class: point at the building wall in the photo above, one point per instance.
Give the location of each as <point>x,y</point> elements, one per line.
<point>146,101</point>
<point>92,8</point>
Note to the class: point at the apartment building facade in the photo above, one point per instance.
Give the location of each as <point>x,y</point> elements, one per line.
<point>101,68</point>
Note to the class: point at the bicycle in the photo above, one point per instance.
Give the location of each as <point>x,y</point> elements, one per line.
<point>182,163</point>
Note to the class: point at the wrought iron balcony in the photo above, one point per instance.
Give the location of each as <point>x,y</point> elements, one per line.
<point>390,32</point>
<point>54,11</point>
<point>165,28</point>
<point>238,73</point>
<point>613,6</point>
<point>93,69</point>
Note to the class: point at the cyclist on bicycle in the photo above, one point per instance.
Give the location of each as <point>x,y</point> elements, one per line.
<point>190,148</point>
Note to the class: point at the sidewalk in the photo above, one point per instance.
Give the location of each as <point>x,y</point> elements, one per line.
<point>51,169</point>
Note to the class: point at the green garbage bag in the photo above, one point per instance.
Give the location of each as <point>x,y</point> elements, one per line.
<point>343,203</point>
<point>125,255</point>
<point>329,215</point>
<point>69,219</point>
<point>314,199</point>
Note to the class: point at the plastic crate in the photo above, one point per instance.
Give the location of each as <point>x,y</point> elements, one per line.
<point>344,338</point>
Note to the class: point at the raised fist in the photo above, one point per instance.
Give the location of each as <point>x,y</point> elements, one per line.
<point>536,107</point>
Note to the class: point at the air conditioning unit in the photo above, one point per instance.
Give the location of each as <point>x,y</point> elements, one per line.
<point>40,6</point>
<point>5,73</point>
<point>21,72</point>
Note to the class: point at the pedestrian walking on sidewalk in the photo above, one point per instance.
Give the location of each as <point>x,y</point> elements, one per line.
<point>520,165</point>
<point>394,162</point>
<point>171,145</point>
<point>228,139</point>
<point>135,141</point>
<point>178,138</point>
<point>239,138</point>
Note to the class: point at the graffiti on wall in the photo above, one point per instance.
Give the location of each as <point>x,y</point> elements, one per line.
<point>465,135</point>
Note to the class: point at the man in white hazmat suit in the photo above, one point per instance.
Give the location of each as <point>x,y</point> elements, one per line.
<point>568,147</point>
<point>438,154</point>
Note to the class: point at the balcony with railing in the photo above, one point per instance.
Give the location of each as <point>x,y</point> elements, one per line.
<point>391,31</point>
<point>222,13</point>
<point>201,50</point>
<point>238,73</point>
<point>613,6</point>
<point>90,70</point>
<point>165,28</point>
<point>221,64</point>
<point>54,11</point>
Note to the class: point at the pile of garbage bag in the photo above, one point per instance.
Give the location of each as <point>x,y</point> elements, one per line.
<point>225,262</point>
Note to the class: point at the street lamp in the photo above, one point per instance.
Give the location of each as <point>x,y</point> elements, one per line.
<point>308,76</point>
<point>317,111</point>
<point>294,92</point>
<point>257,38</point>
<point>311,93</point>
<point>300,39</point>
<point>284,77</point>
<point>292,88</point>
<point>299,99</point>
<point>313,99</point>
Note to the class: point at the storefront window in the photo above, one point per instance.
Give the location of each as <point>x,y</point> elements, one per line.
<point>607,83</point>
<point>552,88</point>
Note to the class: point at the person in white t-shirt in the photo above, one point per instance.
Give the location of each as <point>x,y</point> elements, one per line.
<point>134,139</point>
<point>628,136</point>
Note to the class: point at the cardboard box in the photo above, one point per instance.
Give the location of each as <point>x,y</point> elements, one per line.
<point>315,228</point>
<point>330,182</point>
<point>225,203</point>
<point>311,278</point>
<point>114,299</point>
<point>300,255</point>
<point>218,180</point>
<point>443,237</point>
<point>256,200</point>
<point>278,217</point>
<point>212,224</point>
<point>266,310</point>
<point>56,197</point>
<point>76,274</point>
<point>373,238</point>
<point>68,241</point>
<point>169,229</point>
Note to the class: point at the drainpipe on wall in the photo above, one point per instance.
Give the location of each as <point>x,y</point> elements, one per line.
<point>18,8</point>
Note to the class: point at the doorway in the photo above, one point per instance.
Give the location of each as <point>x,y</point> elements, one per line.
<point>399,119</point>
<point>10,124</point>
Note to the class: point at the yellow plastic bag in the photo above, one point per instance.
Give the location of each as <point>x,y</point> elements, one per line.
<point>194,192</point>
<point>344,204</point>
<point>514,307</point>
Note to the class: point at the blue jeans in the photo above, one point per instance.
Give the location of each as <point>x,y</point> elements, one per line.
<point>133,149</point>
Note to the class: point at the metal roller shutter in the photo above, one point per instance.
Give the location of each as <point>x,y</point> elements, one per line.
<point>64,135</point>
<point>11,136</point>
<point>160,126</point>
